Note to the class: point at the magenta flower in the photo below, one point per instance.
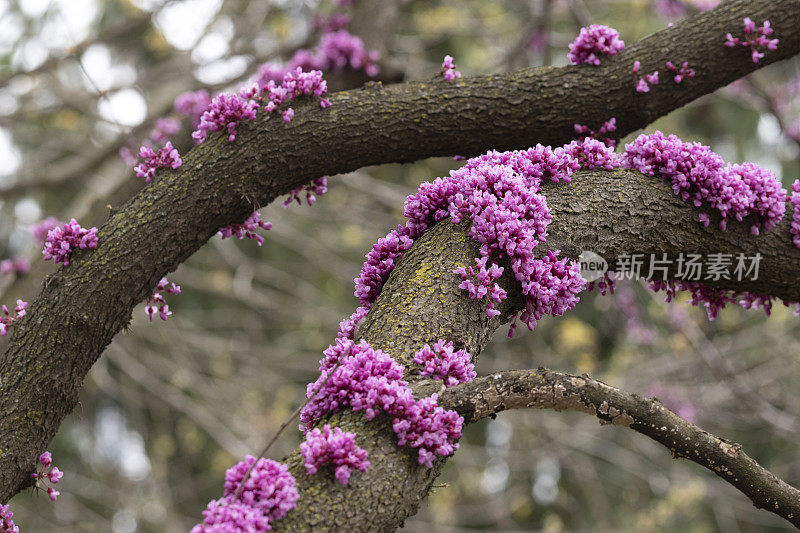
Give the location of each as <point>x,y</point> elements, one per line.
<point>371,381</point>
<point>336,448</point>
<point>43,227</point>
<point>63,240</point>
<point>7,525</point>
<point>167,156</point>
<point>193,104</point>
<point>247,229</point>
<point>15,265</point>
<point>47,473</point>
<point>594,41</point>
<point>442,363</point>
<point>592,153</point>
<point>609,126</point>
<point>224,114</point>
<point>795,200</point>
<point>270,487</point>
<point>317,187</point>
<point>680,73</point>
<point>449,69</point>
<point>164,129</point>
<point>156,303</point>
<point>226,516</point>
<point>643,84</point>
<point>756,38</point>
<point>698,175</point>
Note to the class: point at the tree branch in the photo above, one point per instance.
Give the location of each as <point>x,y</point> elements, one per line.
<point>547,389</point>
<point>83,306</point>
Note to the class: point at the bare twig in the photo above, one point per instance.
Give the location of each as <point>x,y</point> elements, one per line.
<point>547,389</point>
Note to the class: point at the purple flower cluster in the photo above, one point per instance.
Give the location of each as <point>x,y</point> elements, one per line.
<point>317,187</point>
<point>193,104</point>
<point>224,113</point>
<point>224,516</point>
<point>593,41</point>
<point>605,285</point>
<point>380,263</point>
<point>337,49</point>
<point>712,298</point>
<point>356,376</point>
<point>333,447</point>
<point>247,229</point>
<point>62,240</point>
<point>7,525</point>
<point>295,83</point>
<point>15,265</point>
<point>6,318</point>
<point>643,84</point>
<point>43,227</point>
<point>164,129</point>
<point>268,494</point>
<point>680,73</point>
<point>592,154</point>
<point>755,38</point>
<point>167,156</point>
<point>48,473</point>
<point>349,326</point>
<point>499,192</point>
<point>449,69</point>
<point>480,282</point>
<point>269,487</point>
<point>157,303</point>
<point>609,126</point>
<point>795,199</point>
<point>699,176</point>
<point>441,362</point>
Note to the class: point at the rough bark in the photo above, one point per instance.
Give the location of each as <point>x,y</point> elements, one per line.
<point>415,306</point>
<point>619,212</point>
<point>83,306</point>
<point>546,389</point>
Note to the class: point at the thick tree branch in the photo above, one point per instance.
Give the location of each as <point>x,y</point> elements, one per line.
<point>546,389</point>
<point>82,307</point>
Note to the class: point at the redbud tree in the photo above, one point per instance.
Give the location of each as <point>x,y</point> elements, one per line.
<point>563,159</point>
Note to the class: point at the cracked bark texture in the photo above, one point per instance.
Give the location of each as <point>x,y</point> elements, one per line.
<point>546,389</point>
<point>83,306</point>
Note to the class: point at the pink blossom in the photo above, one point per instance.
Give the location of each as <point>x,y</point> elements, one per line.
<point>63,240</point>
<point>449,69</point>
<point>442,362</point>
<point>247,229</point>
<point>593,42</point>
<point>156,303</point>
<point>336,448</point>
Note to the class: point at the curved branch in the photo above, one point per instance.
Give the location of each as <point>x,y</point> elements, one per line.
<point>547,389</point>
<point>83,306</point>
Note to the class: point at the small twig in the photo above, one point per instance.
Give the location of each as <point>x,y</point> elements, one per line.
<point>547,389</point>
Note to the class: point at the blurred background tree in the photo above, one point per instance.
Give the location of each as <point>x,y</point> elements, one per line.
<point>172,404</point>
